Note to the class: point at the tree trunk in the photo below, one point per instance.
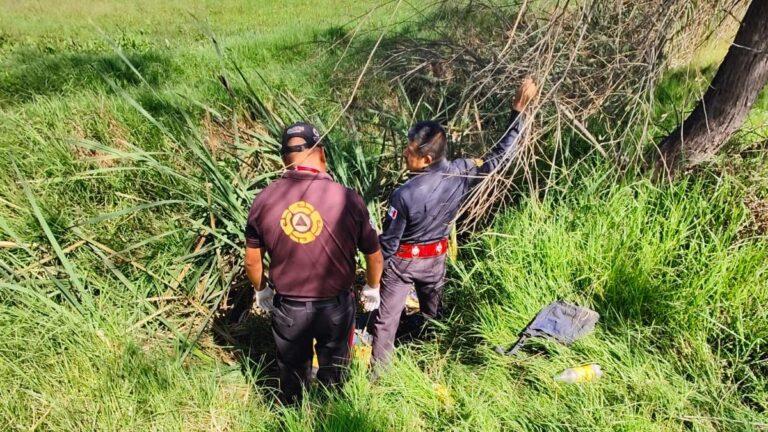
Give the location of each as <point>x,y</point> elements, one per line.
<point>726,103</point>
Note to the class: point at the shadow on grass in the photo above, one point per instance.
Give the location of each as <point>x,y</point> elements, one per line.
<point>31,73</point>
<point>247,336</point>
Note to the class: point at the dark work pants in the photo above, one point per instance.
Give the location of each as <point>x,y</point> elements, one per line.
<point>295,325</point>
<point>427,275</point>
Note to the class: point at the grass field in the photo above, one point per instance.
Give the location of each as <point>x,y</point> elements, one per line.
<point>107,171</point>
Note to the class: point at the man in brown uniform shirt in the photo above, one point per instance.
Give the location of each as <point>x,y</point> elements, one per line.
<point>311,227</point>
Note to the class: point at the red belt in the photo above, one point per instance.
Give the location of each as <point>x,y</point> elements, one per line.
<point>426,250</point>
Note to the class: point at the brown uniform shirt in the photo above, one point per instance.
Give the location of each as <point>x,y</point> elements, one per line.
<point>311,227</point>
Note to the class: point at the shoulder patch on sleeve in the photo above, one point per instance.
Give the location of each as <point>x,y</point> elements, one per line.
<point>392,213</point>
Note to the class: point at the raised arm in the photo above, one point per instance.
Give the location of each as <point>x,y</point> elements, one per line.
<point>508,143</point>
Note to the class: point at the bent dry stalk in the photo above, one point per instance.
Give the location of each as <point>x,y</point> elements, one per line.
<point>597,63</point>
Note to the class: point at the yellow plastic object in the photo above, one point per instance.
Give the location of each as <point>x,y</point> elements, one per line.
<point>580,374</point>
<point>360,350</point>
<point>453,245</point>
<point>363,352</point>
<point>443,394</point>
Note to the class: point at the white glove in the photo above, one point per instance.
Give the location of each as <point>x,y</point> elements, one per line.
<point>264,299</point>
<point>370,298</point>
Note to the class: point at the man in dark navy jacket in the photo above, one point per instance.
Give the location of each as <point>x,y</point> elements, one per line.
<point>417,224</point>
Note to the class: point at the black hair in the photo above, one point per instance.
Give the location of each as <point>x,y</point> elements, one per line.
<point>430,139</point>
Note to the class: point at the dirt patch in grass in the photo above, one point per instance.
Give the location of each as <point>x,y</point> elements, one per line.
<point>758,208</point>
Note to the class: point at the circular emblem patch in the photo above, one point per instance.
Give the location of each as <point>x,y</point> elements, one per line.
<point>301,222</point>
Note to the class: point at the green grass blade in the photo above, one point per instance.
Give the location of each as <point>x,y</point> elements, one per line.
<point>68,266</point>
<point>134,209</point>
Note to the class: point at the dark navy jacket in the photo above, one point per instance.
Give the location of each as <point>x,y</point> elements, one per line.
<point>422,209</point>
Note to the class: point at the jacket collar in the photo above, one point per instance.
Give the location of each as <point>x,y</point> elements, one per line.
<point>305,175</point>
<point>440,166</point>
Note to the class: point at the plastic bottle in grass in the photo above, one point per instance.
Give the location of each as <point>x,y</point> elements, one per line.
<point>586,373</point>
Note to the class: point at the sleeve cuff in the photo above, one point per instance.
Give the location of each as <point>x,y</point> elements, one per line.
<point>371,250</point>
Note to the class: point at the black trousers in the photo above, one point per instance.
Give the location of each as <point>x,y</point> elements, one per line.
<point>295,324</point>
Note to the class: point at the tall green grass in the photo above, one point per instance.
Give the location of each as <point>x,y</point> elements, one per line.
<point>682,335</point>
<point>58,61</point>
<point>114,179</point>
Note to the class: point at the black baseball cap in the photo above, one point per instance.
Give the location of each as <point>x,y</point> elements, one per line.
<point>302,130</point>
